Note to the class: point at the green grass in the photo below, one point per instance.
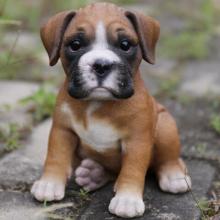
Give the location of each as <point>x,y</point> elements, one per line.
<point>215,123</point>
<point>43,101</point>
<point>201,148</point>
<point>193,41</point>
<point>208,208</point>
<point>10,137</point>
<point>169,86</point>
<point>185,99</point>
<point>29,13</point>
<point>187,45</point>
<point>84,195</point>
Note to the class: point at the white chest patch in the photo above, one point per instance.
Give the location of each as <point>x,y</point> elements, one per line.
<point>98,134</point>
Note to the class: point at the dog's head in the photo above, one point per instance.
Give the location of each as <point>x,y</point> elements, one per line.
<point>101,47</point>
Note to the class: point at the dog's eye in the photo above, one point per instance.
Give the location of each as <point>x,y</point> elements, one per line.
<point>125,45</point>
<point>75,45</point>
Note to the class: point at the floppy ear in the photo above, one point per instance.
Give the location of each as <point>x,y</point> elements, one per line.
<point>148,31</point>
<point>52,34</point>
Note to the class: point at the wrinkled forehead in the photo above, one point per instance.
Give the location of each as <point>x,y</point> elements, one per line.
<point>111,17</point>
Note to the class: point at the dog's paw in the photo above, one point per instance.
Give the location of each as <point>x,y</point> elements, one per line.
<point>175,181</point>
<point>90,175</point>
<point>48,190</point>
<point>127,206</point>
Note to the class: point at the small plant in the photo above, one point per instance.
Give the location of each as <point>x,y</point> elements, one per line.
<point>209,208</point>
<point>201,148</point>
<point>169,86</point>
<point>185,99</point>
<point>44,101</point>
<point>194,45</point>
<point>215,123</point>
<point>193,41</point>
<point>83,194</point>
<point>10,137</point>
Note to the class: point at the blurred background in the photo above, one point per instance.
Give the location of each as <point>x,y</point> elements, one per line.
<point>185,78</point>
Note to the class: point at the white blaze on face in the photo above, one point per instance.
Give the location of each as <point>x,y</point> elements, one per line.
<point>99,50</point>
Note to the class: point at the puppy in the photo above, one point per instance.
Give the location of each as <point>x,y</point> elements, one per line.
<point>105,123</point>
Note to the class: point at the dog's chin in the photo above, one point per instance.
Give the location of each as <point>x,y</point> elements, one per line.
<point>99,94</point>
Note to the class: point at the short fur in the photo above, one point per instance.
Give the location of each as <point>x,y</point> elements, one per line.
<point>137,131</point>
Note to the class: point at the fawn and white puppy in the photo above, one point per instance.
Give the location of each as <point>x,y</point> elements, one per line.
<point>105,123</point>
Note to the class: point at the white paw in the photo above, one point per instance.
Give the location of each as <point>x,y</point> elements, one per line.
<point>127,206</point>
<point>48,190</point>
<point>90,175</point>
<point>175,182</point>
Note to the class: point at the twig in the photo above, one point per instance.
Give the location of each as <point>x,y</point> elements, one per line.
<point>55,207</point>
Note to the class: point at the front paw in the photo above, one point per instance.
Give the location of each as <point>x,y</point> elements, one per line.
<point>49,190</point>
<point>127,206</point>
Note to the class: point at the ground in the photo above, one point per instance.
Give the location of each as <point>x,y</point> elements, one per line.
<point>185,78</point>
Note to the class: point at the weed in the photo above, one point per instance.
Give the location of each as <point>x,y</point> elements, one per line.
<point>201,148</point>
<point>43,101</point>
<point>216,105</point>
<point>193,41</point>
<point>169,86</point>
<point>10,137</point>
<point>209,208</point>
<point>83,194</point>
<point>187,45</point>
<point>215,123</point>
<point>185,99</point>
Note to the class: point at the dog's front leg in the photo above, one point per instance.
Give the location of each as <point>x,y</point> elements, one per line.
<point>128,201</point>
<point>58,165</point>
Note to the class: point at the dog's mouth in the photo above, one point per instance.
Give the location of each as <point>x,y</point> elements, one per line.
<point>99,93</point>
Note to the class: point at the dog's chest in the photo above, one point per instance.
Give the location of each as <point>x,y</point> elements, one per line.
<point>98,134</point>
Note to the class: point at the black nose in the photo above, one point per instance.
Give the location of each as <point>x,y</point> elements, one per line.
<point>102,68</point>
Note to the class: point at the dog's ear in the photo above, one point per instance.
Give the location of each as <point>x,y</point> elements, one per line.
<point>52,34</point>
<point>148,31</point>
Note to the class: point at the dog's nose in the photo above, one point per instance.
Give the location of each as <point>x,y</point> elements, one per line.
<point>102,68</point>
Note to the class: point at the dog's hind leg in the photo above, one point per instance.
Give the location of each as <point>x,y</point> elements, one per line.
<point>170,168</point>
<point>91,175</point>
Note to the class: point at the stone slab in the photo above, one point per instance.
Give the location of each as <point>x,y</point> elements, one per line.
<point>20,168</point>
<point>18,206</point>
<point>159,205</point>
<point>13,91</point>
<point>201,78</point>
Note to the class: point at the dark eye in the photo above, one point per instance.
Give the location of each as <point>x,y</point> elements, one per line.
<point>75,45</point>
<point>125,45</point>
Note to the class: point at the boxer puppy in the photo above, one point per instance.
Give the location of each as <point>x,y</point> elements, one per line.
<point>105,123</point>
